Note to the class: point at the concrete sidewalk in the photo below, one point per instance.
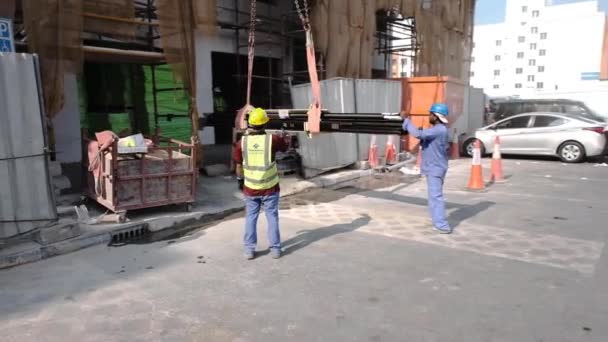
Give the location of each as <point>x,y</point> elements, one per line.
<point>217,197</point>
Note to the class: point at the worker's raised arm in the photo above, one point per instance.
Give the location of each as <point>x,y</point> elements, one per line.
<point>422,134</point>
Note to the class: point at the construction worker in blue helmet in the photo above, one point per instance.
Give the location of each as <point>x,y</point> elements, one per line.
<point>258,177</point>
<point>434,146</point>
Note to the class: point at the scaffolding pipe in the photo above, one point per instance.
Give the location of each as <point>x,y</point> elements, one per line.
<point>118,19</point>
<point>119,52</point>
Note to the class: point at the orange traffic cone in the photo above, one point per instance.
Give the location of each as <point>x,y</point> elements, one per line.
<point>497,175</point>
<point>391,151</point>
<point>373,156</point>
<point>373,153</point>
<point>455,148</point>
<point>476,182</point>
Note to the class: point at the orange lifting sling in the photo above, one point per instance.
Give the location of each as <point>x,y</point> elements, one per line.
<point>313,124</point>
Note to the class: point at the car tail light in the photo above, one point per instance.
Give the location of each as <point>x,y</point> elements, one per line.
<point>599,130</point>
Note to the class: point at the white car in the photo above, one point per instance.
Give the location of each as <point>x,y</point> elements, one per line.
<point>571,138</point>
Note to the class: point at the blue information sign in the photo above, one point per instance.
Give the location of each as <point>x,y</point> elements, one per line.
<point>6,36</point>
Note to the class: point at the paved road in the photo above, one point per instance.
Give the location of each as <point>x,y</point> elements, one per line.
<point>526,263</point>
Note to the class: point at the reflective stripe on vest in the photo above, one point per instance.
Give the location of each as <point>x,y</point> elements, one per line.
<point>259,170</point>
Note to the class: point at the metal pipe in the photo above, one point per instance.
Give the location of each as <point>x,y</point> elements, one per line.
<point>117,19</point>
<point>119,52</point>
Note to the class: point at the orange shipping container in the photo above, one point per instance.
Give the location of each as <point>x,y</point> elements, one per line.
<point>419,94</point>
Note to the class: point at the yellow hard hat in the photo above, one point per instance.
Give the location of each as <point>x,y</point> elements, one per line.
<point>258,117</point>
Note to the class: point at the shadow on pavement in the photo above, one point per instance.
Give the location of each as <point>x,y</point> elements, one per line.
<point>462,212</point>
<point>310,236</point>
<point>467,211</point>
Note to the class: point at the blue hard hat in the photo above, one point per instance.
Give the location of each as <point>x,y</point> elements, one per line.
<point>440,108</point>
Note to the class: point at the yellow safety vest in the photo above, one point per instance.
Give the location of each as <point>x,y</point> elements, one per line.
<point>260,171</point>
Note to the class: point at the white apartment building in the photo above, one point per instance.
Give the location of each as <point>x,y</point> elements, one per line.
<point>540,50</point>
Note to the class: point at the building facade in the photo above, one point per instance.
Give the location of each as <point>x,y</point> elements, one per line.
<point>540,50</point>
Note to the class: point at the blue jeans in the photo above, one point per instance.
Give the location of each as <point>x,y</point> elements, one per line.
<point>271,208</point>
<point>437,202</point>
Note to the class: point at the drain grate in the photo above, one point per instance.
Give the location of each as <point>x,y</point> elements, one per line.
<point>130,234</point>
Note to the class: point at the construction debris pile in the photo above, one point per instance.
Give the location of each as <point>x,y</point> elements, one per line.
<point>344,34</point>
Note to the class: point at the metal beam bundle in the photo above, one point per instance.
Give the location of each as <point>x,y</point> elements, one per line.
<point>368,123</point>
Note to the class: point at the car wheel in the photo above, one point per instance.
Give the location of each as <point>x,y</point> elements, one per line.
<point>571,152</point>
<point>469,146</point>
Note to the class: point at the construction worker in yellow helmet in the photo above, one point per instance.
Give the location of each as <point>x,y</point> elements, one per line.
<point>258,177</point>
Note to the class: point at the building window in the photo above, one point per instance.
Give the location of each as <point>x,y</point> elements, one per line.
<point>535,14</point>
<point>496,86</point>
<point>520,55</point>
<point>534,29</point>
<point>497,58</point>
<point>499,43</point>
<point>472,73</point>
<point>524,9</point>
<point>543,35</point>
<point>472,59</point>
<point>542,52</point>
<point>523,23</point>
<point>533,46</point>
<point>532,62</point>
<point>530,78</point>
<point>517,85</point>
<point>540,85</point>
<point>541,68</point>
<point>519,70</point>
<point>521,39</point>
<point>496,72</point>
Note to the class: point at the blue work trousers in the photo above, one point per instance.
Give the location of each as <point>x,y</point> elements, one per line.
<point>271,208</point>
<point>437,202</point>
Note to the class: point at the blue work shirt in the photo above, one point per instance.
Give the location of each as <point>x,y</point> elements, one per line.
<point>434,144</point>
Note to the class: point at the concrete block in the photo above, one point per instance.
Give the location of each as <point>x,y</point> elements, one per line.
<point>31,252</point>
<point>63,230</point>
<point>54,168</point>
<point>310,173</point>
<point>73,245</point>
<point>217,170</point>
<point>69,200</point>
<point>361,165</point>
<point>61,183</point>
<point>66,210</point>
<point>403,156</point>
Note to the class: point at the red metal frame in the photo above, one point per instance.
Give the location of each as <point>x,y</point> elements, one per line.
<point>115,178</point>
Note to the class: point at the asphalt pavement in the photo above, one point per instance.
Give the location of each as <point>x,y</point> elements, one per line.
<point>526,262</point>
